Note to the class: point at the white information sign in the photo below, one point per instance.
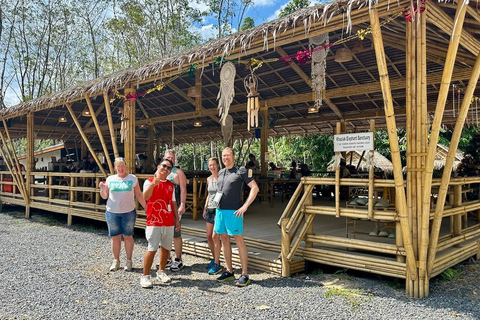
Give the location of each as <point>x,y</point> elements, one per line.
<point>353,142</point>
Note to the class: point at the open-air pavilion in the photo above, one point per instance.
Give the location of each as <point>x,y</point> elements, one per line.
<point>341,67</point>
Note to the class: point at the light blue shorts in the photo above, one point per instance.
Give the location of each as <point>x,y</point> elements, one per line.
<point>121,223</point>
<point>227,222</point>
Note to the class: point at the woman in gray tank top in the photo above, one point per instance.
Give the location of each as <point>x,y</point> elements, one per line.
<point>209,216</point>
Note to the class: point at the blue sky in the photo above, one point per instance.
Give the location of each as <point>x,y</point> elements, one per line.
<point>262,11</point>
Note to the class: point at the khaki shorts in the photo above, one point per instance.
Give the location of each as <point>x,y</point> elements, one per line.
<point>159,236</point>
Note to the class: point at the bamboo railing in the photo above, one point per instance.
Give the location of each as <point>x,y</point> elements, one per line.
<point>460,242</point>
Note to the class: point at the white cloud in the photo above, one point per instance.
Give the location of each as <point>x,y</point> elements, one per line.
<point>260,3</point>
<point>11,98</point>
<point>201,5</point>
<point>207,32</point>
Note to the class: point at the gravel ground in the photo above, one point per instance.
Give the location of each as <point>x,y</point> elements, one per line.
<point>51,271</point>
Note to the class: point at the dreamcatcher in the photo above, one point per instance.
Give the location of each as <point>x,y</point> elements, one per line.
<point>319,65</point>
<point>227,90</point>
<point>253,105</point>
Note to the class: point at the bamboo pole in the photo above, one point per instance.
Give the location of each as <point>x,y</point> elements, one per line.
<point>30,160</point>
<point>337,178</point>
<point>392,134</point>
<point>432,147</point>
<point>292,201</point>
<point>294,217</point>
<point>308,221</point>
<point>16,162</point>
<point>370,175</point>
<point>437,220</point>
<point>410,97</point>
<point>113,137</point>
<point>14,176</point>
<point>195,198</point>
<point>84,137</point>
<point>100,135</point>
<point>285,248</point>
<point>421,144</point>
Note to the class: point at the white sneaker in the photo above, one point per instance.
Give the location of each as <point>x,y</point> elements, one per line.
<point>177,265</point>
<point>115,265</point>
<point>128,266</point>
<point>162,277</point>
<point>146,282</point>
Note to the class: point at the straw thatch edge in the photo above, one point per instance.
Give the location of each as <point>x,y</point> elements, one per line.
<point>223,47</point>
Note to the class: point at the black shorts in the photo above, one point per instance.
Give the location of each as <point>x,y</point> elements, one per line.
<point>210,215</point>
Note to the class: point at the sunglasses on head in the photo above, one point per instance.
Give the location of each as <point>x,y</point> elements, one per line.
<point>166,167</point>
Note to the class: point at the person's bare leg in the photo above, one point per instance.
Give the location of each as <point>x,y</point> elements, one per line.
<point>210,241</point>
<point>227,251</point>
<point>148,261</point>
<point>116,244</point>
<point>164,255</point>
<point>242,251</point>
<point>217,247</point>
<point>129,244</point>
<point>178,245</point>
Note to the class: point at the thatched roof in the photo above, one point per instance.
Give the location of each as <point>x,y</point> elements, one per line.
<point>300,21</point>
<point>353,92</point>
<point>441,157</point>
<point>353,158</point>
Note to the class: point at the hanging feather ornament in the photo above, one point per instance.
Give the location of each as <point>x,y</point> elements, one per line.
<point>227,129</point>
<point>227,90</point>
<point>123,124</point>
<point>319,66</point>
<point>253,105</point>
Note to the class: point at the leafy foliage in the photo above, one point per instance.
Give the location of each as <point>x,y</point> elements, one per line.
<point>470,164</point>
<point>293,6</point>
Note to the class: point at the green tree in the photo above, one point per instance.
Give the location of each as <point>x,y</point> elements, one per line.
<point>293,6</point>
<point>248,23</point>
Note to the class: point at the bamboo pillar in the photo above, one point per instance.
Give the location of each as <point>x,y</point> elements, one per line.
<point>129,138</point>
<point>30,160</point>
<point>113,137</point>
<point>447,170</point>
<point>195,199</point>
<point>308,202</point>
<point>392,134</point>
<point>84,137</point>
<point>100,135</point>
<point>457,202</point>
<point>264,142</point>
<point>429,241</point>
<point>337,178</point>
<point>371,176</point>
<point>285,248</point>
<point>150,148</point>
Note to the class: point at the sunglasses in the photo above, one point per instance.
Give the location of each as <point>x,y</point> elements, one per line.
<point>164,166</point>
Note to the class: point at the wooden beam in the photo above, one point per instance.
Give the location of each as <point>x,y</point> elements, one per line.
<point>438,17</point>
<point>100,135</point>
<point>84,137</point>
<point>113,138</point>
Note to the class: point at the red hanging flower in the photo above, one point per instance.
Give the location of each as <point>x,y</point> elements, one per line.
<point>303,56</point>
<point>131,97</point>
